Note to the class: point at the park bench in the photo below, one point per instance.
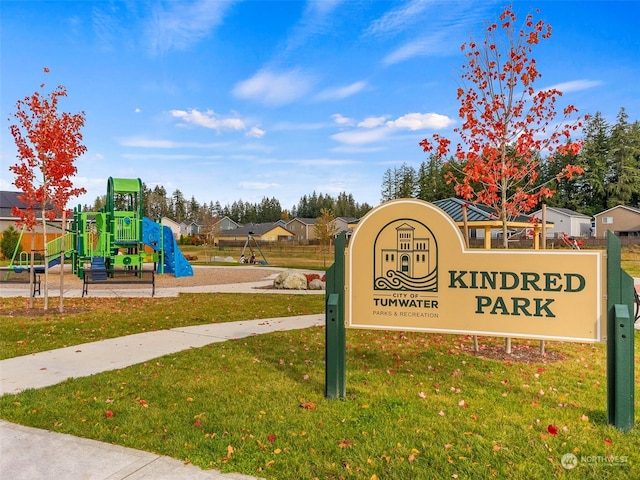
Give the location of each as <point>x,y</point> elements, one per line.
<point>20,275</point>
<point>117,276</point>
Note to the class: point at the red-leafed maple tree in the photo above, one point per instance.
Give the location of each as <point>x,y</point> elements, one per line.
<point>507,125</point>
<point>48,143</point>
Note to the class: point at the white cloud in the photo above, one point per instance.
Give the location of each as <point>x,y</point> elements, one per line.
<point>575,85</point>
<point>179,25</point>
<point>435,44</point>
<point>340,120</point>
<point>275,88</point>
<point>398,18</point>
<point>356,137</point>
<point>208,119</point>
<point>372,122</point>
<point>137,110</point>
<point>339,93</point>
<point>421,121</point>
<point>255,132</point>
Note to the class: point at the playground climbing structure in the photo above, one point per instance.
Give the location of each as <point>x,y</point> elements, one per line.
<point>119,237</point>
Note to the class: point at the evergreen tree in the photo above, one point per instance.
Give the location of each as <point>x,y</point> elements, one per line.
<point>634,135</point>
<point>593,159</point>
<point>179,208</point>
<point>388,186</point>
<point>624,178</point>
<point>194,208</point>
<point>406,180</point>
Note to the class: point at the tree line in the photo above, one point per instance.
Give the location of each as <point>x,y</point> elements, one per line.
<point>158,203</point>
<point>610,157</point>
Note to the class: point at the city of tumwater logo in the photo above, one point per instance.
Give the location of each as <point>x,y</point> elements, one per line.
<point>405,255</point>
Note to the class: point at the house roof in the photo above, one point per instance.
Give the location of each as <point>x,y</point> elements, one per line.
<point>348,219</point>
<point>475,213</point>
<point>252,229</point>
<point>564,211</point>
<point>8,200</point>
<point>306,221</point>
<point>633,209</point>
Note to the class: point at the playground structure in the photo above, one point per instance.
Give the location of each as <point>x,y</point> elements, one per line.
<point>248,243</point>
<point>115,240</point>
<point>571,242</point>
<point>120,237</point>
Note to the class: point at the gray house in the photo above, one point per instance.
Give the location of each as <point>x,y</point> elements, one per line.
<point>566,221</point>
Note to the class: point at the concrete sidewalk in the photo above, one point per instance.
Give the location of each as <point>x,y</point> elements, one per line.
<point>54,366</point>
<point>33,454</point>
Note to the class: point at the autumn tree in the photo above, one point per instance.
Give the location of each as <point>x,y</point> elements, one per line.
<point>325,227</point>
<point>506,122</point>
<point>48,143</point>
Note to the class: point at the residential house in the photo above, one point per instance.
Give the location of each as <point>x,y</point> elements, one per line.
<point>345,224</point>
<point>225,223</point>
<point>211,231</point>
<point>185,229</point>
<point>567,222</point>
<point>8,200</point>
<point>193,229</point>
<point>622,220</point>
<point>260,232</point>
<point>303,229</point>
<point>174,226</point>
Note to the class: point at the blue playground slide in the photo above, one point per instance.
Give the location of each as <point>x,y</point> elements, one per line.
<point>174,261</point>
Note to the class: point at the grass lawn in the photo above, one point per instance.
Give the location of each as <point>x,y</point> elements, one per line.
<point>418,406</point>
<point>22,333</point>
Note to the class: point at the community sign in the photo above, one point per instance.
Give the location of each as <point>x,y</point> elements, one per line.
<point>407,268</point>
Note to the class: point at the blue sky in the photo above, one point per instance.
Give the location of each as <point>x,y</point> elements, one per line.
<point>230,100</point>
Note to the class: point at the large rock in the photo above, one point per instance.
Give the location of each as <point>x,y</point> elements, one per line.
<point>290,280</point>
<point>316,284</point>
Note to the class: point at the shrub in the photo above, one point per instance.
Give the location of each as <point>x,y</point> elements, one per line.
<point>10,240</point>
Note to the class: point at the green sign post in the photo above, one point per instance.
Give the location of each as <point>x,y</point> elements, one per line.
<point>620,339</point>
<point>335,346</point>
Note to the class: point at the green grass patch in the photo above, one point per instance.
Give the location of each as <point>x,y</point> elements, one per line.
<point>91,319</point>
<point>418,406</point>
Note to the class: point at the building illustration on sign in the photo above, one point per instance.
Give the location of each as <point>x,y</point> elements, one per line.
<point>405,257</point>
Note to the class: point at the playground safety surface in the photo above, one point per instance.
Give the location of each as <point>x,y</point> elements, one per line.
<point>206,279</point>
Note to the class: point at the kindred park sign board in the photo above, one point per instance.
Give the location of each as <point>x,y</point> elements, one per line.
<point>407,269</point>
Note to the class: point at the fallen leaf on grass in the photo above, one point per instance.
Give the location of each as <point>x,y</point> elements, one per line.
<point>308,405</point>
